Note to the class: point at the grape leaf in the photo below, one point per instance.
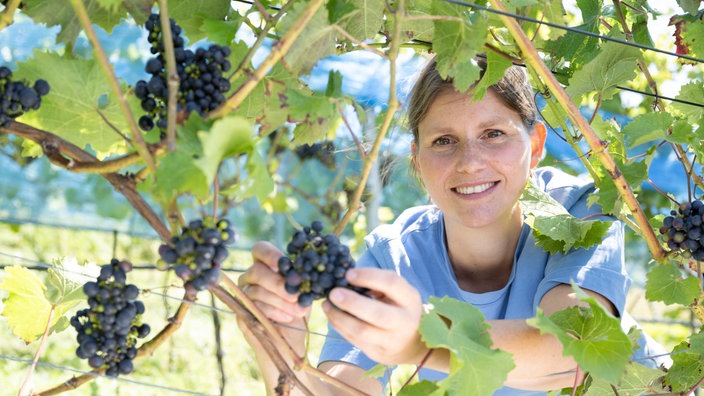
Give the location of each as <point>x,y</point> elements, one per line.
<point>316,41</point>
<point>690,6</point>
<point>364,19</point>
<point>696,342</point>
<point>578,47</point>
<point>177,173</point>
<point>191,15</point>
<point>70,110</point>
<point>496,66</point>
<point>638,380</point>
<point>686,369</point>
<point>666,283</point>
<point>457,42</point>
<point>419,28</point>
<point>691,92</point>
<point>258,182</point>
<point>314,114</point>
<point>647,127</point>
<point>554,228</point>
<point>424,387</point>
<point>30,303</point>
<point>682,133</point>
<point>592,336</point>
<point>222,32</point>
<point>229,136</point>
<point>475,368</point>
<point>614,65</point>
<point>53,13</point>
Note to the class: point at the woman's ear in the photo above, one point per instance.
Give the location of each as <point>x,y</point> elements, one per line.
<point>537,143</point>
<point>414,157</point>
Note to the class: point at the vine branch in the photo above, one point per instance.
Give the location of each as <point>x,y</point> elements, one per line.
<point>102,59</point>
<point>277,53</point>
<point>590,136</point>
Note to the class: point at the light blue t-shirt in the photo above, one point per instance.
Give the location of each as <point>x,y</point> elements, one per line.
<point>414,247</point>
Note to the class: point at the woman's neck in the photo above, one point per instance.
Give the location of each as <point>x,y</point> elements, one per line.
<point>482,259</point>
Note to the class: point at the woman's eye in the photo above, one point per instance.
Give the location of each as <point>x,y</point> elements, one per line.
<point>494,134</point>
<point>442,141</point>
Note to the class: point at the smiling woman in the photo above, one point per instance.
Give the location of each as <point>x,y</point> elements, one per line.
<point>474,156</point>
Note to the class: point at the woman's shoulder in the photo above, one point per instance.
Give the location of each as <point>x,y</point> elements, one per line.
<point>565,188</point>
<point>415,219</point>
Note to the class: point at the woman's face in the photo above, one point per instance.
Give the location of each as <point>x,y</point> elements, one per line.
<point>474,158</point>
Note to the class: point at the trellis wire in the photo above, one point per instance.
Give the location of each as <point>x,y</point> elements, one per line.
<point>119,379</point>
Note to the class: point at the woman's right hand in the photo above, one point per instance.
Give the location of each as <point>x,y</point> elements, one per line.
<point>265,287</point>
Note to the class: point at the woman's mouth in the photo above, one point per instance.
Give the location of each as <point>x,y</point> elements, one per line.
<point>473,189</point>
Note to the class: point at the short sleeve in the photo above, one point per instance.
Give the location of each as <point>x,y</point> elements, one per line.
<point>600,268</point>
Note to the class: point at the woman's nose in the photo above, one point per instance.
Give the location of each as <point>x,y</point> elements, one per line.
<point>470,157</point>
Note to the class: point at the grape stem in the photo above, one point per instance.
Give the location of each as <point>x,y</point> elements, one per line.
<point>8,13</point>
<point>25,384</point>
<point>172,80</point>
<point>145,350</point>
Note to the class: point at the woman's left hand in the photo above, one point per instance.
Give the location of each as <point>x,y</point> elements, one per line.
<point>385,328</point>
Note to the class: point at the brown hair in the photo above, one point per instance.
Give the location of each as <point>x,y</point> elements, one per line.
<point>514,89</point>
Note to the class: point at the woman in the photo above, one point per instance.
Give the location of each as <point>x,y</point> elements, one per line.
<point>474,158</point>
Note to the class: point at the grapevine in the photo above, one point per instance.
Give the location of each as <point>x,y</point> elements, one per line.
<point>315,264</point>
<point>682,230</point>
<point>322,151</point>
<point>197,254</point>
<point>18,97</point>
<point>109,328</point>
<point>202,85</point>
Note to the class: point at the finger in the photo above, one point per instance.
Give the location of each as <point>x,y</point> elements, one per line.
<point>261,275</point>
<point>376,313</point>
<point>262,295</point>
<point>349,326</point>
<point>392,286</point>
<point>274,313</point>
<point>266,253</point>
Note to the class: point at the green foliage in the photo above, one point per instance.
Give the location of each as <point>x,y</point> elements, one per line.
<point>34,304</point>
<point>475,368</point>
<point>667,283</point>
<point>592,336</point>
<point>555,229</point>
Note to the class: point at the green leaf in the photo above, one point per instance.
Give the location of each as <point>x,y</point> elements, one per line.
<point>421,27</point>
<point>314,114</point>
<point>316,41</point>
<point>691,92</point>
<point>363,20</point>
<point>70,110</point>
<point>334,88</point>
<point>577,47</point>
<point>424,387</point>
<point>686,369</point>
<point>457,42</point>
<point>258,182</point>
<point>682,133</point>
<point>690,6</point>
<point>377,371</point>
<point>614,65</point>
<point>221,32</point>
<point>667,283</point>
<point>696,343</point>
<point>229,136</point>
<point>176,174</point>
<point>496,66</point>
<point>30,303</point>
<point>592,336</point>
<point>191,15</point>
<point>554,228</point>
<point>647,127</point>
<point>638,380</point>
<point>475,368</point>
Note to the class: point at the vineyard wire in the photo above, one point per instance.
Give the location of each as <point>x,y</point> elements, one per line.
<point>119,379</point>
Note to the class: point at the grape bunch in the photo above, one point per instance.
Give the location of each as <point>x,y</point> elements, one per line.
<point>202,85</point>
<point>682,230</point>
<point>196,255</point>
<point>109,328</point>
<point>315,264</point>
<point>322,151</point>
<point>18,97</point>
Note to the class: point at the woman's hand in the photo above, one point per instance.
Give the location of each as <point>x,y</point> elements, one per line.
<point>384,328</point>
<point>265,287</point>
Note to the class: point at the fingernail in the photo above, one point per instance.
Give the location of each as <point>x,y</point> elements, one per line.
<point>351,275</point>
<point>336,296</point>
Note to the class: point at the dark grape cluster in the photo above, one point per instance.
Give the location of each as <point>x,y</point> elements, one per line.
<point>202,85</point>
<point>322,151</point>
<point>109,328</point>
<point>682,230</point>
<point>18,97</point>
<point>315,264</point>
<point>197,254</point>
